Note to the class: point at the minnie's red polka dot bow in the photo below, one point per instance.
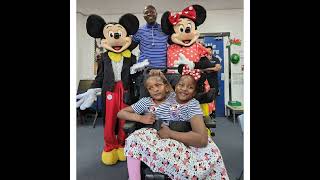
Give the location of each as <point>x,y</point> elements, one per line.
<point>195,73</point>
<point>188,12</point>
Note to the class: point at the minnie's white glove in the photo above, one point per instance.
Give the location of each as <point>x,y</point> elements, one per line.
<point>139,66</point>
<point>87,98</point>
<point>183,60</point>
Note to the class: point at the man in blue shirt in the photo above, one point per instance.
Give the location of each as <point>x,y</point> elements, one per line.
<point>151,40</point>
<point>152,45</point>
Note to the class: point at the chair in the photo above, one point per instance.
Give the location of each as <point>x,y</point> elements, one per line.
<point>95,108</point>
<point>131,126</point>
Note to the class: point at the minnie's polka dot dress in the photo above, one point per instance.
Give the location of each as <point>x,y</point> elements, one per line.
<point>193,53</point>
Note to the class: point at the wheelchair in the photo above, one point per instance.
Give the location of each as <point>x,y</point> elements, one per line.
<point>201,96</point>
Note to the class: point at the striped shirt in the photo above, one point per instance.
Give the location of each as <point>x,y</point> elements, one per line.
<point>170,110</point>
<point>152,45</point>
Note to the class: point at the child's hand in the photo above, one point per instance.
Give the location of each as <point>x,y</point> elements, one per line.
<point>148,118</point>
<point>164,132</point>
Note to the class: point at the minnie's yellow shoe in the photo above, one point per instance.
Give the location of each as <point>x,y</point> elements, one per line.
<point>109,158</point>
<point>121,154</point>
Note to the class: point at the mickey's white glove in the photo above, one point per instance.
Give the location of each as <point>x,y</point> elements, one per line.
<point>139,66</point>
<point>183,60</point>
<point>87,98</point>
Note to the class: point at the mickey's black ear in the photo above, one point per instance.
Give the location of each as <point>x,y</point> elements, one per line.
<point>201,14</point>
<point>95,25</point>
<point>130,22</point>
<point>166,26</point>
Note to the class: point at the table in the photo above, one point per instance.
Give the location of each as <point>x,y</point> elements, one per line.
<point>235,110</point>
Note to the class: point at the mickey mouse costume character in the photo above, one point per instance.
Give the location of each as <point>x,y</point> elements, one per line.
<point>184,48</point>
<point>114,78</point>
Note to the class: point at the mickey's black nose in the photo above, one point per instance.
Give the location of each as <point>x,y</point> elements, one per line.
<point>116,35</point>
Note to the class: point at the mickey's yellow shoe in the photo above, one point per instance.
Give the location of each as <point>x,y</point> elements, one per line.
<point>110,158</point>
<point>121,154</point>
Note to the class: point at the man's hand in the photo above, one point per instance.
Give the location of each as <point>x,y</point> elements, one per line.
<point>148,118</point>
<point>164,132</point>
<point>217,67</point>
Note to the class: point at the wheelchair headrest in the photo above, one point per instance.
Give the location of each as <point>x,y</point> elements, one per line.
<point>163,70</point>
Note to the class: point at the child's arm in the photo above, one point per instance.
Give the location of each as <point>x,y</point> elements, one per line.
<point>128,113</point>
<point>198,137</point>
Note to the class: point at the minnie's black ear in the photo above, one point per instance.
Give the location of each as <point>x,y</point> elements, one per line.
<point>201,14</point>
<point>95,25</point>
<point>166,26</point>
<point>130,22</point>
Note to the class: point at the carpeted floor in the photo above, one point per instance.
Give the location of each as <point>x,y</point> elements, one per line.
<point>228,138</point>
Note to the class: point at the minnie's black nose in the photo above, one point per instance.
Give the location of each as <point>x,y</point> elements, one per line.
<point>187,30</point>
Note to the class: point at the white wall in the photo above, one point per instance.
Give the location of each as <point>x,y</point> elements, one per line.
<point>228,21</point>
<point>217,21</point>
<point>85,51</point>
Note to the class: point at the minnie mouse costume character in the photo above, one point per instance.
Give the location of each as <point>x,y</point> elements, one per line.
<point>114,78</point>
<point>182,28</point>
<point>184,48</point>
